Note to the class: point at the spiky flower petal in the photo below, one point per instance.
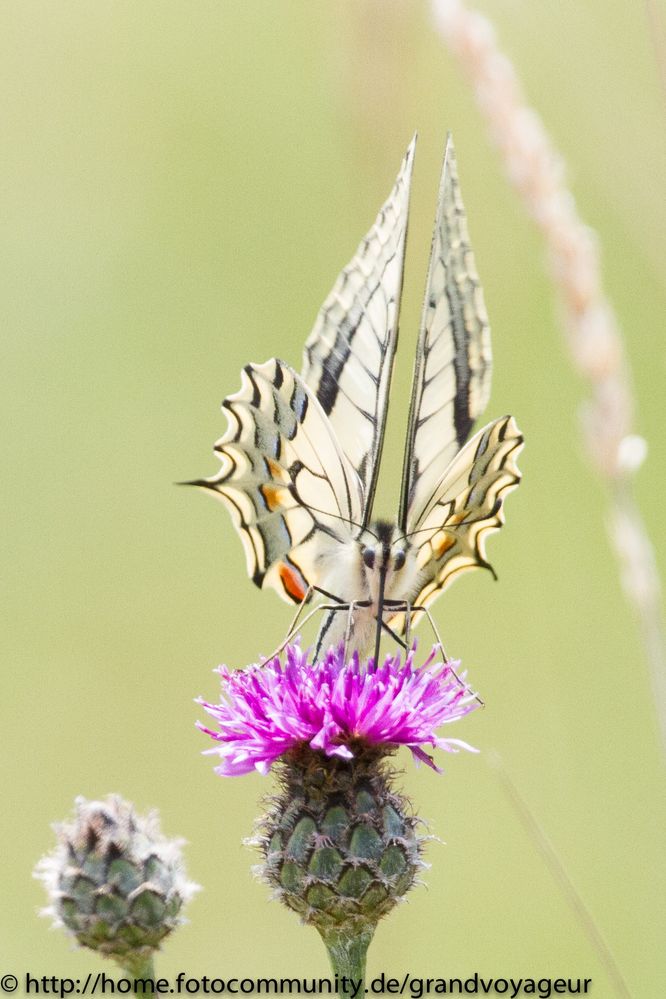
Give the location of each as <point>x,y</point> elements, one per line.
<point>114,881</point>
<point>333,706</point>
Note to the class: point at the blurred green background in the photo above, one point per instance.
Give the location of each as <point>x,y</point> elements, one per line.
<point>181,184</point>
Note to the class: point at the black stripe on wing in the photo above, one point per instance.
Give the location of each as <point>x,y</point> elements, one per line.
<point>348,357</point>
<point>453,363</point>
<point>466,506</point>
<point>287,484</point>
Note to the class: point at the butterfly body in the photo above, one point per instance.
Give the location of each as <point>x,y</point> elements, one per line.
<point>374,571</point>
<point>301,454</point>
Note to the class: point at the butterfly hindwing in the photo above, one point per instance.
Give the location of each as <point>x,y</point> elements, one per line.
<point>348,357</point>
<point>284,478</point>
<point>300,457</point>
<point>453,367</point>
<point>464,507</point>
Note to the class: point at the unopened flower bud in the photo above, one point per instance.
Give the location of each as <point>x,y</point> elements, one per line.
<point>114,881</point>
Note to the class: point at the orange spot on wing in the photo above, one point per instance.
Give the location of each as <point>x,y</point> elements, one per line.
<point>441,547</point>
<point>273,495</point>
<point>292,582</point>
<point>276,469</point>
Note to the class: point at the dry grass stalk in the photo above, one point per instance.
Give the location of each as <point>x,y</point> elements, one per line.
<point>592,332</point>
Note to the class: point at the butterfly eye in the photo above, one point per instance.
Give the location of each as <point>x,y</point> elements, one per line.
<point>368,555</point>
<point>399,560</point>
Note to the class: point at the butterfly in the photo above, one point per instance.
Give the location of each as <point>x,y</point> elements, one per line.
<point>301,454</point>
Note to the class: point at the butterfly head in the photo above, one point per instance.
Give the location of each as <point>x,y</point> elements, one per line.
<point>387,553</point>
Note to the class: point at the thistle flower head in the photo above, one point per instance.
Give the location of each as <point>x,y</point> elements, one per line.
<point>333,706</point>
<point>114,881</point>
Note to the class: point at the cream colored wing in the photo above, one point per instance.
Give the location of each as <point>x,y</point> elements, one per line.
<point>464,507</point>
<point>348,357</point>
<point>452,371</point>
<point>284,478</point>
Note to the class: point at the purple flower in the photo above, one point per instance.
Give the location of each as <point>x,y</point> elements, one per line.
<point>333,706</point>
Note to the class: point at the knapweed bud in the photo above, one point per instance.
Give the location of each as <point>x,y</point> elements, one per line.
<point>340,845</point>
<point>114,881</point>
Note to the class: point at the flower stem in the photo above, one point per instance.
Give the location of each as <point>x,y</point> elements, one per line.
<point>347,952</point>
<point>139,966</point>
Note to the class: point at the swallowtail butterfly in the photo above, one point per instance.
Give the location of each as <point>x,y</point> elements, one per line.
<point>301,453</point>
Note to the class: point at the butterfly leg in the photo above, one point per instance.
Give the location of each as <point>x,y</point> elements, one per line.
<point>293,628</point>
<point>341,605</point>
<point>330,596</point>
<point>445,657</point>
<point>294,622</point>
<point>395,636</point>
<point>350,608</point>
<point>350,624</point>
<point>291,631</point>
<point>393,606</point>
<point>329,620</point>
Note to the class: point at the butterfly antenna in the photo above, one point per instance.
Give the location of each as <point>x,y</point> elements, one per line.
<point>465,522</point>
<point>212,483</point>
<point>421,530</point>
<point>336,516</point>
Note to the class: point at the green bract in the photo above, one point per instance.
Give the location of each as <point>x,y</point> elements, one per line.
<point>114,881</point>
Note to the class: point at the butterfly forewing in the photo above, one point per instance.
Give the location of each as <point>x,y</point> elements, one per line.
<point>348,357</point>
<point>453,364</point>
<point>300,456</point>
<point>284,478</point>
